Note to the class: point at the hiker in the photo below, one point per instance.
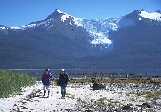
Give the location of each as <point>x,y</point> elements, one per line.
<point>46,80</point>
<point>63,81</point>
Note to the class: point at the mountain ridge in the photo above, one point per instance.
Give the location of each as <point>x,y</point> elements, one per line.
<point>117,43</point>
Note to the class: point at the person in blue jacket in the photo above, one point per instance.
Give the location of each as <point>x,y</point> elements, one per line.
<point>46,80</point>
<point>63,81</point>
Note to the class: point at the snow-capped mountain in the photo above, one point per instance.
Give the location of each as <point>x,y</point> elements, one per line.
<point>98,30</point>
<point>130,42</point>
<point>140,17</point>
<point>3,27</point>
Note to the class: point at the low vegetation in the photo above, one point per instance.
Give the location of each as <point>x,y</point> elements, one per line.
<point>106,80</point>
<point>152,95</point>
<point>11,83</point>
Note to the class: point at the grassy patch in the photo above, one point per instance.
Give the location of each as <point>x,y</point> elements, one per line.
<point>152,95</point>
<point>11,83</point>
<point>149,95</point>
<point>81,81</point>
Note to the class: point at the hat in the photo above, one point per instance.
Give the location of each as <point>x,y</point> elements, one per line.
<point>62,70</point>
<point>47,69</point>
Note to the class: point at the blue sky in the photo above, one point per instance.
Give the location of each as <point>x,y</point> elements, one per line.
<point>21,12</point>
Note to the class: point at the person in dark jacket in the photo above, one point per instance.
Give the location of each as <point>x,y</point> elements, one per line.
<point>46,80</point>
<point>63,81</point>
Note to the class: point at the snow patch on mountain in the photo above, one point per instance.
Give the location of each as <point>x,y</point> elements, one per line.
<point>100,38</point>
<point>23,27</point>
<point>113,26</point>
<point>78,21</point>
<point>29,26</point>
<point>73,20</point>
<point>98,30</point>
<point>59,11</point>
<point>151,15</point>
<point>3,28</point>
<point>65,17</point>
<point>16,27</point>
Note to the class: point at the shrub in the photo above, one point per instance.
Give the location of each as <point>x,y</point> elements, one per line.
<point>11,83</point>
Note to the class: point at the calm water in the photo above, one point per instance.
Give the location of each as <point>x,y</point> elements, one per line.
<point>90,72</point>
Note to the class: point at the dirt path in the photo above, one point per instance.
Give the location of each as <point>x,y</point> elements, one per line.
<point>36,102</point>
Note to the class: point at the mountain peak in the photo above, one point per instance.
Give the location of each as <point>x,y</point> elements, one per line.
<point>58,14</point>
<point>58,11</point>
<point>142,14</point>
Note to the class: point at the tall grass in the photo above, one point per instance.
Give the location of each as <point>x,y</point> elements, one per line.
<point>11,83</point>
